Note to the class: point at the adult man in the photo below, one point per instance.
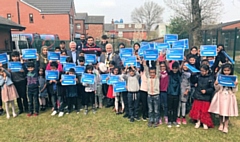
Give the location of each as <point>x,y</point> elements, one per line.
<point>91,47</point>
<point>110,56</point>
<point>104,42</point>
<point>82,42</point>
<point>62,45</point>
<point>73,53</point>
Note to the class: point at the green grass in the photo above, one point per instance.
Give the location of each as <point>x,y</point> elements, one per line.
<point>105,126</point>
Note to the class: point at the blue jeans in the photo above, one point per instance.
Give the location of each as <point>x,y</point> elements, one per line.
<point>163,103</point>
<point>153,108</point>
<point>133,101</point>
<point>33,101</point>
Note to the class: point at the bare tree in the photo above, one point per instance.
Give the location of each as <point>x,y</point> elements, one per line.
<point>149,13</point>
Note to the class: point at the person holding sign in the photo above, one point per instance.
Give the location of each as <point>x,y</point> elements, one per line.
<point>224,102</point>
<point>42,89</point>
<point>220,58</point>
<point>57,49</point>
<point>43,57</point>
<point>203,93</point>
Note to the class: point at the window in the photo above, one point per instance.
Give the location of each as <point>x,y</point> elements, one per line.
<point>121,26</point>
<point>78,26</point>
<point>130,25</point>
<point>9,16</point>
<point>30,18</point>
<point>86,26</point>
<point>214,41</point>
<point>226,43</point>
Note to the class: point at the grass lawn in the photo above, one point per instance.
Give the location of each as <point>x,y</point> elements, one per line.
<point>105,126</point>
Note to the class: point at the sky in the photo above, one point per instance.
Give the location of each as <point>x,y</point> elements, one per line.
<point>121,9</point>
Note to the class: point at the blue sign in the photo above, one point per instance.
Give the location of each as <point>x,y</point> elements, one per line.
<point>90,58</point>
<point>67,66</point>
<point>88,78</point>
<point>227,80</point>
<point>151,55</point>
<point>175,54</point>
<point>130,61</point>
<point>229,58</point>
<point>192,69</point>
<point>119,87</point>
<point>3,58</point>
<point>29,54</point>
<point>63,59</point>
<point>138,65</point>
<point>208,50</point>
<point>126,52</point>
<point>104,78</point>
<point>152,45</point>
<point>186,45</point>
<point>144,43</point>
<point>178,44</point>
<point>113,79</point>
<point>15,66</point>
<point>161,46</point>
<point>54,56</point>
<point>79,69</point>
<point>142,49</point>
<point>68,79</point>
<point>211,62</point>
<point>169,38</point>
<point>52,75</point>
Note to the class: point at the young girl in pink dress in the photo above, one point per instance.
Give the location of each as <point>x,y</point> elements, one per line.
<point>224,102</point>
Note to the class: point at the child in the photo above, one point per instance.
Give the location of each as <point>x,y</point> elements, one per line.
<point>42,89</point>
<point>81,88</point>
<point>185,89</point>
<point>203,93</point>
<point>99,93</point>
<point>118,96</point>
<point>144,94</point>
<point>20,82</point>
<point>110,97</point>
<point>153,81</point>
<point>164,79</point>
<point>8,91</point>
<point>90,91</point>
<point>71,93</point>
<point>174,90</point>
<point>133,92</point>
<point>224,102</point>
<point>32,87</point>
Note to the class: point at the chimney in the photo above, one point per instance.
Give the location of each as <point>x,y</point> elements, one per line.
<point>112,21</point>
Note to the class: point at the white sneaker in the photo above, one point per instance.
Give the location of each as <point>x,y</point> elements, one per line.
<point>60,114</point>
<point>205,126</point>
<point>54,113</point>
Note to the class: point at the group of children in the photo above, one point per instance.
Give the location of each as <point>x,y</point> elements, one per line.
<point>165,90</point>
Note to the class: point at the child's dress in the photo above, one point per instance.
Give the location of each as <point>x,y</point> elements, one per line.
<point>9,92</point>
<point>42,82</point>
<point>224,101</point>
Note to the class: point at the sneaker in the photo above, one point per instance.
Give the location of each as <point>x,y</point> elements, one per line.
<point>131,119</point>
<point>184,121</point>
<point>155,124</point>
<point>149,124</point>
<point>197,125</point>
<point>178,121</point>
<point>77,112</point>
<point>160,121</point>
<point>137,118</point>
<point>14,115</point>
<point>144,119</point>
<point>54,113</point>
<point>8,116</point>
<point>205,126</point>
<point>176,124</point>
<point>35,114</point>
<point>29,114</point>
<point>20,112</point>
<point>166,119</point>
<point>94,111</point>
<point>169,124</point>
<point>85,112</point>
<point>125,115</point>
<point>60,114</point>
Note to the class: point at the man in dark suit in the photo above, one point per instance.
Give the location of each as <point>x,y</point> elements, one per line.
<point>73,53</point>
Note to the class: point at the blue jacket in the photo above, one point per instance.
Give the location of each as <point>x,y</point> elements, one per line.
<point>174,85</point>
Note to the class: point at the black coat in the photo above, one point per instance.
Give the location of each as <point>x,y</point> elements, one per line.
<point>204,83</point>
<point>59,87</point>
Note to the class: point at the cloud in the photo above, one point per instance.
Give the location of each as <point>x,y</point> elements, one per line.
<point>107,3</point>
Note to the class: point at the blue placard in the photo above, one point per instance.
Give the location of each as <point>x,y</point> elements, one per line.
<point>54,56</point>
<point>208,50</point>
<point>113,79</point>
<point>67,66</point>
<point>186,45</point>
<point>88,78</point>
<point>144,43</point>
<point>152,45</point>
<point>192,69</point>
<point>68,79</point>
<point>119,87</point>
<point>143,48</point>
<point>15,66</point>
<point>178,44</point>
<point>63,59</point>
<point>229,58</point>
<point>3,58</point>
<point>138,65</point>
<point>29,54</point>
<point>79,69</point>
<point>175,54</point>
<point>52,75</point>
<point>169,38</point>
<point>151,55</point>
<point>161,46</point>
<point>227,80</point>
<point>130,61</point>
<point>211,62</point>
<point>126,52</point>
<point>104,78</point>
<point>90,58</point>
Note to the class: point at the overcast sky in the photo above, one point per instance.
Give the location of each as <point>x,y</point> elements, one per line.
<point>117,9</point>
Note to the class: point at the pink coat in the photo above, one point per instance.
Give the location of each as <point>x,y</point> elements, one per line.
<point>144,85</point>
<point>59,67</point>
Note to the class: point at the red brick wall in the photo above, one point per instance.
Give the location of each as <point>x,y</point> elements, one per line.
<point>135,35</point>
<point>82,30</point>
<point>5,36</point>
<point>50,24</point>
<point>233,26</point>
<point>95,30</point>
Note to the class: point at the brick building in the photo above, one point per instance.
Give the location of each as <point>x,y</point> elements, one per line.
<point>89,25</point>
<point>5,33</point>
<point>42,16</point>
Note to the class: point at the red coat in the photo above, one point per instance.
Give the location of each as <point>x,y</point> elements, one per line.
<point>110,92</point>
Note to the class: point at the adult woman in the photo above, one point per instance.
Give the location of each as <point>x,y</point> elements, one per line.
<point>220,58</point>
<point>194,53</point>
<point>43,57</point>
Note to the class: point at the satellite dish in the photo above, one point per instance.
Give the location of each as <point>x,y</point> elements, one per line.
<point>121,20</point>
<point>116,21</point>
